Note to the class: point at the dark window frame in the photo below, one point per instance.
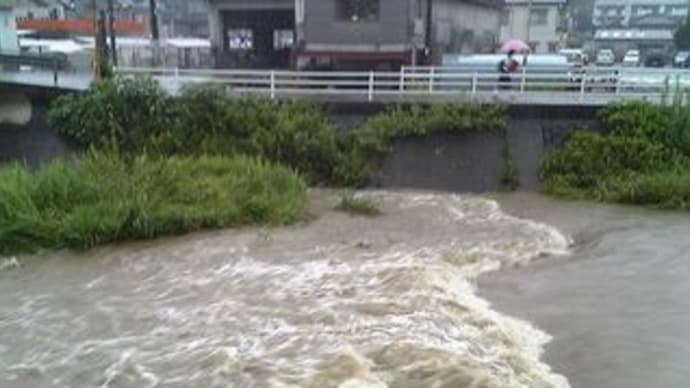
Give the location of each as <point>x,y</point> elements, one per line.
<point>358,11</point>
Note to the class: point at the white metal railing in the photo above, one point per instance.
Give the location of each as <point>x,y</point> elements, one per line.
<point>591,85</point>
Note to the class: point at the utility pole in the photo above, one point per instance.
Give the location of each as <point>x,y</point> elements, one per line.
<point>429,30</point>
<point>98,50</point>
<point>528,32</point>
<point>155,35</point>
<point>111,24</point>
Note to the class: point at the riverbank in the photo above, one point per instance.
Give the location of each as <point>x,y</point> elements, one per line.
<point>105,197</point>
<point>617,308</point>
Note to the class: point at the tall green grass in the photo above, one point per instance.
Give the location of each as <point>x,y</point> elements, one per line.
<point>643,158</point>
<point>104,198</point>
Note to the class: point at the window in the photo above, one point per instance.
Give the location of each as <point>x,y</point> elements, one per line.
<point>241,39</point>
<point>283,39</point>
<point>539,16</point>
<point>357,10</point>
<point>553,47</point>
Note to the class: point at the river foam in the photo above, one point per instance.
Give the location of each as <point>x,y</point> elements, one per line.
<point>343,302</point>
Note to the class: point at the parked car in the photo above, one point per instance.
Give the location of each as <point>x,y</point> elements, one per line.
<point>655,59</point>
<point>680,58</point>
<point>605,57</point>
<point>575,57</point>
<point>632,58</point>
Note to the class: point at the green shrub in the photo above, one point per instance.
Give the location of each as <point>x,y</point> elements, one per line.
<point>357,206</point>
<point>642,158</point>
<point>136,116</point>
<point>121,111</point>
<point>105,198</point>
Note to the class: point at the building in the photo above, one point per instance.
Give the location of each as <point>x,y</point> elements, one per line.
<point>8,31</point>
<point>543,24</point>
<point>348,34</point>
<point>647,25</point>
<point>640,14</point>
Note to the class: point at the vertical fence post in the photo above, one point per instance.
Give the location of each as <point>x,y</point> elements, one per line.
<point>523,81</point>
<point>474,83</point>
<point>273,84</point>
<point>371,86</point>
<point>618,83</point>
<point>677,91</point>
<point>402,78</point>
<point>177,77</point>
<point>583,82</point>
<point>432,73</point>
<point>55,72</point>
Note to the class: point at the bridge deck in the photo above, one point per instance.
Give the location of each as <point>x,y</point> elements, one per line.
<point>594,88</point>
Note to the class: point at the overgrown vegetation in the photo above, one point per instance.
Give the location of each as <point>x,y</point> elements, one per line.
<point>642,158</point>
<point>349,203</point>
<point>376,136</point>
<point>138,116</point>
<point>104,197</point>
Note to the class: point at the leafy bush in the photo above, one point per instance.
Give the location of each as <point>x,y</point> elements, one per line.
<point>124,112</point>
<point>104,198</point>
<point>136,116</point>
<point>641,159</point>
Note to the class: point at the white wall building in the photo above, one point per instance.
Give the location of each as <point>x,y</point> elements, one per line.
<point>8,30</point>
<point>540,23</point>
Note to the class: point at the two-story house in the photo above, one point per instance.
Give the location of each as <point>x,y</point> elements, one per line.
<point>647,25</point>
<point>540,23</point>
<point>349,34</point>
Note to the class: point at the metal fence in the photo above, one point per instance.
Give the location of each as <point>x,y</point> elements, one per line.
<point>590,86</point>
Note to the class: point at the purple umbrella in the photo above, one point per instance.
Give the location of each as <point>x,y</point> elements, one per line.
<point>516,45</point>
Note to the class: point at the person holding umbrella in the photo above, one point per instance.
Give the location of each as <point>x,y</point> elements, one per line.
<point>506,67</point>
<point>509,64</point>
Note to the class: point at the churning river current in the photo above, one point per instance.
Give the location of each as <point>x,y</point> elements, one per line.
<point>340,301</point>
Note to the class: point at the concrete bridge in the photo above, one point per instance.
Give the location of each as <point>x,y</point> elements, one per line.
<point>591,87</point>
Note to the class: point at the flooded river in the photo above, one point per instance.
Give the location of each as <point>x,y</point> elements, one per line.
<point>354,302</point>
<point>619,306</point>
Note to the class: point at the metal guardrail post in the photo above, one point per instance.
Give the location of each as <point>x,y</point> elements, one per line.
<point>273,84</point>
<point>371,86</point>
<point>402,78</point>
<point>474,83</point>
<point>523,81</point>
<point>55,73</point>
<point>583,82</point>
<point>432,73</point>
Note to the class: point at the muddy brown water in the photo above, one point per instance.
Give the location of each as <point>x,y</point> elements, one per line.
<point>347,302</point>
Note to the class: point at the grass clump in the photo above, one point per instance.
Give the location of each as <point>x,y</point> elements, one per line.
<point>105,198</point>
<point>643,158</point>
<point>351,204</point>
<point>377,134</point>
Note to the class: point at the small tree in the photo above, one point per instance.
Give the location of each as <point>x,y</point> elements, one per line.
<point>682,35</point>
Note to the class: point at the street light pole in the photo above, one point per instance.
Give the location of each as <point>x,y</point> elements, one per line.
<point>528,32</point>
<point>111,23</point>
